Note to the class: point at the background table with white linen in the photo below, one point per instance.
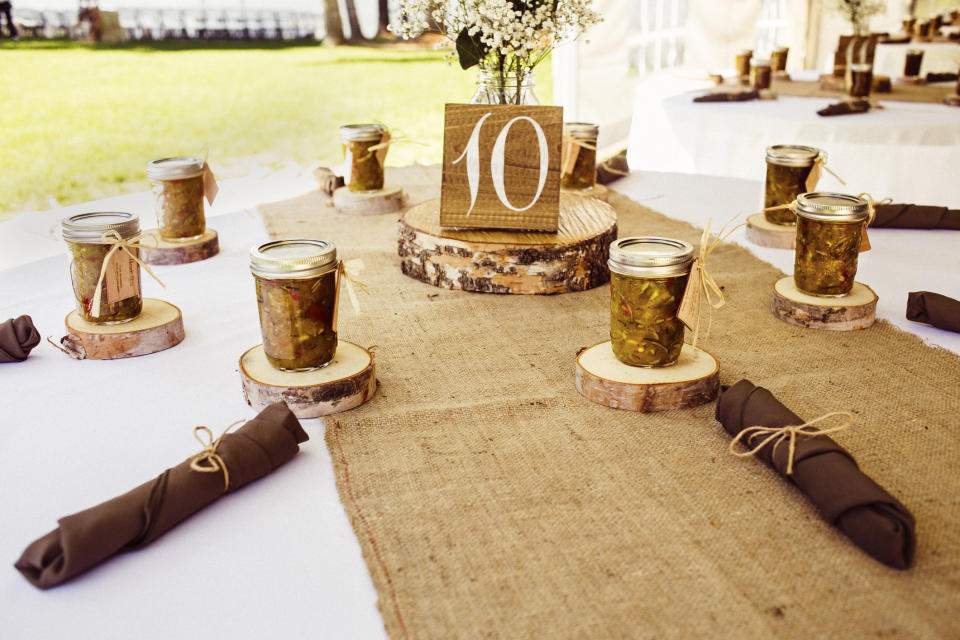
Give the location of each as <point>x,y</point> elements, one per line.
<point>938,57</point>
<point>907,151</point>
<point>279,557</point>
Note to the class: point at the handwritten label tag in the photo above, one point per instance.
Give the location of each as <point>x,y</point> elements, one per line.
<point>382,151</point>
<point>347,166</point>
<point>122,278</point>
<point>689,309</point>
<point>864,241</point>
<point>210,187</point>
<point>814,176</point>
<point>570,152</point>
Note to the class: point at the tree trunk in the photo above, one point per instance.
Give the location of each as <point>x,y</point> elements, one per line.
<point>384,18</point>
<point>355,33</point>
<point>331,12</point>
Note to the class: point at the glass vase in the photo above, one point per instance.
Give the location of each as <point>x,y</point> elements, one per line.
<point>507,88</point>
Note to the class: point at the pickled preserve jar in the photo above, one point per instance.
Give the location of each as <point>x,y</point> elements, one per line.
<point>647,278</point>
<point>761,74</point>
<point>178,197</point>
<point>912,62</point>
<point>297,285</point>
<point>861,80</point>
<point>788,166</point>
<point>363,168</point>
<point>583,174</point>
<point>87,237</point>
<point>778,58</point>
<point>829,228</point>
<point>743,65</point>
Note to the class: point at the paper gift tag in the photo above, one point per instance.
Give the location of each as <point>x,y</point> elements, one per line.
<point>689,309</point>
<point>864,241</point>
<point>814,176</point>
<point>569,155</point>
<point>210,187</point>
<point>347,165</point>
<point>382,151</point>
<point>121,279</point>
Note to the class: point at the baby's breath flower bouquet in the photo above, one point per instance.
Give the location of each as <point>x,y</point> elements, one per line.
<point>505,38</point>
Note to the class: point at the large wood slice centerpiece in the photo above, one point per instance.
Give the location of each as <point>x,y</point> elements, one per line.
<point>574,258</point>
<point>856,310</point>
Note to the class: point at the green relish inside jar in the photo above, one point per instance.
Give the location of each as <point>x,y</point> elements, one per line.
<point>177,185</point>
<point>829,230</point>
<point>788,167</point>
<point>363,166</point>
<point>583,172</point>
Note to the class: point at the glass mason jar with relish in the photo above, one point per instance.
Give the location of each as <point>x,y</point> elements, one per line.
<point>177,185</point>
<point>788,167</point>
<point>648,276</point>
<point>297,283</point>
<point>363,166</point>
<point>580,174</point>
<point>829,231</point>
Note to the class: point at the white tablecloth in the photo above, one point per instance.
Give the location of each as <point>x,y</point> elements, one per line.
<point>938,57</point>
<point>278,558</point>
<point>907,151</point>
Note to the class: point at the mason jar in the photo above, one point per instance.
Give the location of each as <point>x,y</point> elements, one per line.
<point>88,238</point>
<point>778,58</point>
<point>297,284</point>
<point>363,167</point>
<point>861,79</point>
<point>761,74</point>
<point>583,172</point>
<point>829,230</point>
<point>177,185</point>
<point>743,65</point>
<point>788,167</point>
<point>648,276</point>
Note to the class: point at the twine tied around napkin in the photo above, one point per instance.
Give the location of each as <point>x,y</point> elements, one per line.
<point>777,435</point>
<point>701,285</point>
<point>208,460</point>
<point>119,244</point>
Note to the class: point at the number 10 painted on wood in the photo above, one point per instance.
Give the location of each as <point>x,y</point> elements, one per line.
<point>501,167</point>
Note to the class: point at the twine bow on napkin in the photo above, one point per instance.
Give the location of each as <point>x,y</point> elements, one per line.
<point>208,460</point>
<point>119,244</point>
<point>777,435</point>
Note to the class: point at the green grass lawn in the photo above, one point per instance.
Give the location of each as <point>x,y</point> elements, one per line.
<point>80,121</point>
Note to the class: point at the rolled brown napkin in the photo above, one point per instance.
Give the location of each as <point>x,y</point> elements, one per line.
<point>18,337</point>
<point>137,518</point>
<point>728,96</point>
<point>844,108</point>
<point>873,519</point>
<point>941,77</point>
<point>932,308</point>
<point>613,168</point>
<point>328,180</point>
<point>915,216</point>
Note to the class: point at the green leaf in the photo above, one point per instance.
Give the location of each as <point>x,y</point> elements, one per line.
<point>470,50</point>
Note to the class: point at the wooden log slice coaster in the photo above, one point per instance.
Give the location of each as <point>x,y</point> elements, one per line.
<point>856,310</point>
<point>159,326</point>
<point>169,252</point>
<point>347,382</point>
<point>489,261</point>
<point>764,233</point>
<point>598,191</point>
<point>603,379</point>
<point>368,203</point>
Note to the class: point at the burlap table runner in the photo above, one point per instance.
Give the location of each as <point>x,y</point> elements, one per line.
<point>491,500</point>
<point>899,92</point>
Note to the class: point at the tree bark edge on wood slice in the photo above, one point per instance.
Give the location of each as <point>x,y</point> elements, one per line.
<point>167,252</point>
<point>368,203</point>
<point>511,262</point>
<point>850,313</point>
<point>763,233</point>
<point>601,378</point>
<point>158,327</point>
<point>347,382</point>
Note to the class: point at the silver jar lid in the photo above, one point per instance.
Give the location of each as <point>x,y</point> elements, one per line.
<point>89,227</point>
<point>746,52</point>
<point>781,49</point>
<point>832,207</point>
<point>861,67</point>
<point>175,168</point>
<point>581,130</point>
<point>650,256</point>
<point>294,258</point>
<point>792,155</point>
<point>361,132</point>
<point>760,62</point>
<point>914,52</point>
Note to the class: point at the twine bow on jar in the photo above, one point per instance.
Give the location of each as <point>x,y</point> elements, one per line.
<point>119,244</point>
<point>348,270</point>
<point>705,286</point>
<point>390,136</point>
<point>208,460</point>
<point>777,435</point>
<point>819,166</point>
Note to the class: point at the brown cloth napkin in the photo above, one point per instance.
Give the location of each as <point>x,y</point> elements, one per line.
<point>843,108</point>
<point>934,308</point>
<point>915,216</point>
<point>873,519</point>
<point>328,180</point>
<point>728,96</point>
<point>137,518</point>
<point>941,77</point>
<point>17,337</point>
<point>613,168</point>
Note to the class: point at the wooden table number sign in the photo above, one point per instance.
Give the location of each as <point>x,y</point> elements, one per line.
<point>501,167</point>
